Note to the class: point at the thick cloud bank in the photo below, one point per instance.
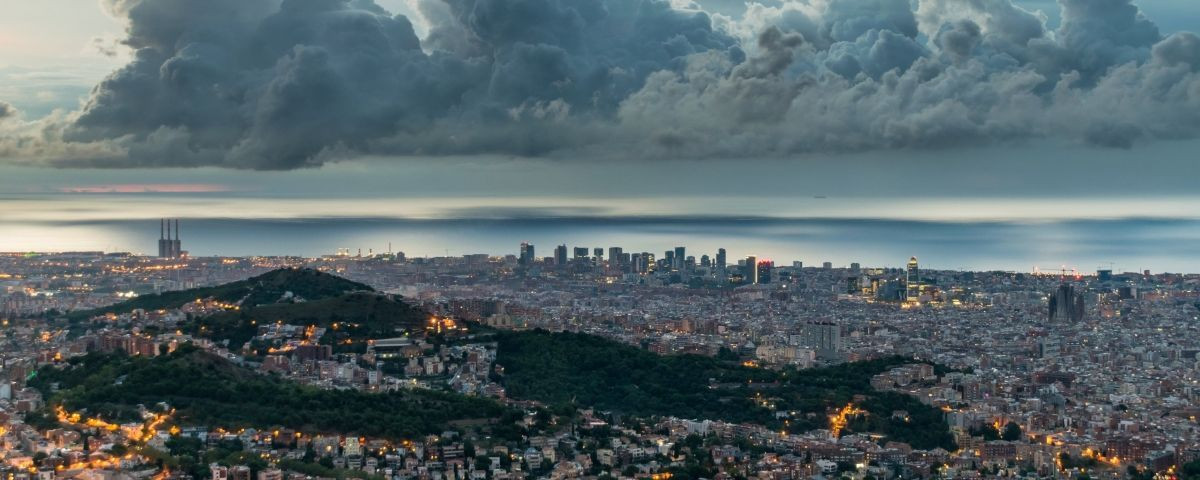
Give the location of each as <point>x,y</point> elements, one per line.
<point>270,84</point>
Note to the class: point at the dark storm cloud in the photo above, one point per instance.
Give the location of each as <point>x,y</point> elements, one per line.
<point>280,84</point>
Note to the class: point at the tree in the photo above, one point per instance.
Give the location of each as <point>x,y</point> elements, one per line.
<point>1012,432</point>
<point>1191,470</point>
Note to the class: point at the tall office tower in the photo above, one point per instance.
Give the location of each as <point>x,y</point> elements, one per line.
<point>750,270</point>
<point>765,268</point>
<point>1066,304</point>
<point>827,266</point>
<point>581,252</point>
<point>597,256</point>
<point>669,258</point>
<point>705,261</point>
<point>912,281</point>
<point>721,260</point>
<point>680,257</point>
<point>855,267</point>
<point>526,257</point>
<point>615,257</point>
<point>560,255</point>
<point>164,247</point>
<point>825,337</point>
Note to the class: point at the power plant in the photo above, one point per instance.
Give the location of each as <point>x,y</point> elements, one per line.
<point>169,247</point>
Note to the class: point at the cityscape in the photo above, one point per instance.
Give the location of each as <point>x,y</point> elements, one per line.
<point>599,239</point>
<point>1025,373</point>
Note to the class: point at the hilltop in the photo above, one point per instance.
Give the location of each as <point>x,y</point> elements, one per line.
<point>350,311</point>
<point>349,320</point>
<point>208,390</point>
<point>268,288</point>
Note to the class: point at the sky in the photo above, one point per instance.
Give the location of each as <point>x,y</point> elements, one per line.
<point>908,110</point>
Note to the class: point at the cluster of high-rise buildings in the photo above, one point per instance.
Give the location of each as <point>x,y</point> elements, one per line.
<point>751,270</point>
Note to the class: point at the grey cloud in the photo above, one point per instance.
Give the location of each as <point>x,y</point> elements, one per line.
<point>281,84</point>
<point>960,38</point>
<point>1179,49</point>
<point>7,111</point>
<point>848,20</point>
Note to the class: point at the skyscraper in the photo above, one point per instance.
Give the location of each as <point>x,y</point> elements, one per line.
<point>560,255</point>
<point>912,281</point>
<point>751,270</point>
<point>1066,304</point>
<point>615,258</point>
<point>680,257</point>
<point>764,271</point>
<point>526,257</point>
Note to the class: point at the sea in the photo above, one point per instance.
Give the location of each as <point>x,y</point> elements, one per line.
<point>1084,245</point>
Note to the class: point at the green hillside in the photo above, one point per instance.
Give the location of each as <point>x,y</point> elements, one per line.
<point>267,288</point>
<point>358,316</point>
<point>593,371</point>
<point>358,312</point>
<point>210,391</point>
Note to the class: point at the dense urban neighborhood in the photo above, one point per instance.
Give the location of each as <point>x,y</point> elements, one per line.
<point>589,364</point>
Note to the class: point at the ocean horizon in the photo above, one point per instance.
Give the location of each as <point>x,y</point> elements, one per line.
<point>1124,244</point>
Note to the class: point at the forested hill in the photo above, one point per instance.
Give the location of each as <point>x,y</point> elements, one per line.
<point>267,288</point>
<point>358,316</point>
<point>210,391</point>
<point>593,371</point>
<point>352,312</point>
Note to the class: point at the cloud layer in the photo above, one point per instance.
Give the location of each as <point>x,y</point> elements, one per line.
<point>270,84</point>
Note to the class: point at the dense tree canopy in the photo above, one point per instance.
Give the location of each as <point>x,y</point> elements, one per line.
<point>208,390</point>
<point>593,371</point>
